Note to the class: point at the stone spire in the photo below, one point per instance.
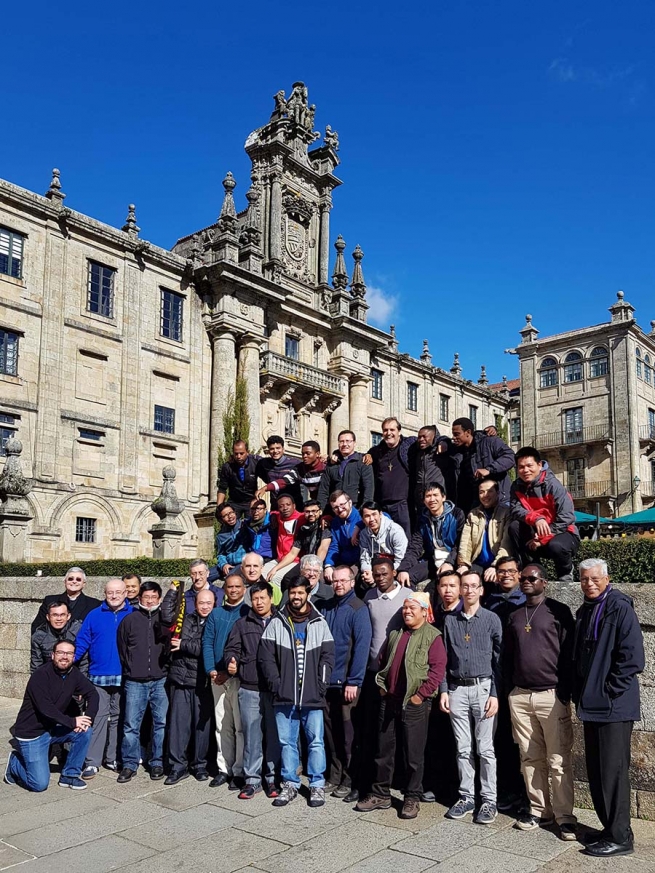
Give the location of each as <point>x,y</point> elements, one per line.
<point>622,310</point>
<point>456,368</point>
<point>529,333</point>
<point>226,244</point>
<point>54,192</point>
<point>483,376</point>
<point>228,210</point>
<point>15,510</point>
<point>504,389</point>
<point>652,328</point>
<point>359,306</point>
<point>393,342</point>
<point>340,275</point>
<point>426,357</point>
<point>250,255</point>
<point>130,226</point>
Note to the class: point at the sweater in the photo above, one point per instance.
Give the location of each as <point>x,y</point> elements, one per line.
<point>341,550</point>
<point>97,636</point>
<point>424,661</point>
<point>389,540</point>
<point>350,625</point>
<point>48,695</point>
<point>270,471</point>
<point>385,615</point>
<point>220,622</point>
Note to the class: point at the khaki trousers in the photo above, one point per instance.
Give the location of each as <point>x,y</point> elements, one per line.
<point>544,733</point>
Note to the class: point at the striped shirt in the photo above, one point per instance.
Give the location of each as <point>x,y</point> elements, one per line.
<point>300,639</point>
<point>473,647</point>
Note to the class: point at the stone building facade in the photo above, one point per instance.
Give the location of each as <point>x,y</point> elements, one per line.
<point>587,402</point>
<point>118,356</point>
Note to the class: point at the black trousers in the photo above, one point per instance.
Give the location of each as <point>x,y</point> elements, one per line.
<point>339,726</point>
<point>368,711</point>
<point>441,776</point>
<point>562,549</point>
<point>190,716</point>
<point>607,752</point>
<point>508,759</point>
<point>409,725</point>
<point>399,512</point>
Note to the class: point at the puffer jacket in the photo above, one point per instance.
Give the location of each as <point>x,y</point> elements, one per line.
<point>545,497</point>
<point>243,645</point>
<point>444,529</point>
<point>44,639</point>
<point>277,660</point>
<point>470,545</point>
<point>185,667</point>
<point>229,545</point>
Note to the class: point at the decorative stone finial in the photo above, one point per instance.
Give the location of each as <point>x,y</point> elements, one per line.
<point>357,285</point>
<point>622,310</point>
<point>620,295</point>
<point>14,487</point>
<point>456,368</point>
<point>229,209</point>
<point>54,192</point>
<point>167,505</point>
<point>483,376</point>
<point>652,328</point>
<point>130,225</point>
<point>529,332</point>
<point>426,357</point>
<point>340,275</point>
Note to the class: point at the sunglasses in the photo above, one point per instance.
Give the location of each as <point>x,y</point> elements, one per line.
<point>531,579</point>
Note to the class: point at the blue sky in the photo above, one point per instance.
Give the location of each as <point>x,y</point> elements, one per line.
<point>497,158</point>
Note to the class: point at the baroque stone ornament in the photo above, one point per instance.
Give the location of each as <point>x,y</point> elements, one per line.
<point>54,192</point>
<point>168,506</point>
<point>130,226</point>
<point>331,138</point>
<point>14,487</point>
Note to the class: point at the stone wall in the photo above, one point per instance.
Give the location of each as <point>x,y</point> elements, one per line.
<point>20,599</point>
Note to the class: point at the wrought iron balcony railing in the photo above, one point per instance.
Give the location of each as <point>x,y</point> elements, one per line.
<point>569,437</point>
<point>582,490</point>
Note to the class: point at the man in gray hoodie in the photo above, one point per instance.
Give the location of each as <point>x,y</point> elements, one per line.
<point>380,536</point>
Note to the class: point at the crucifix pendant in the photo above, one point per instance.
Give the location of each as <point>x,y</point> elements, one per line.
<point>390,467</point>
<point>528,628</point>
<point>467,637</point>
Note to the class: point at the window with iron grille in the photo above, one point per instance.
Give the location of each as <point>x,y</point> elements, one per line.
<point>292,347</point>
<point>8,352</point>
<point>100,291</point>
<point>376,438</point>
<point>171,314</point>
<point>473,415</point>
<point>515,430</point>
<point>85,530</point>
<point>548,373</point>
<point>599,363</point>
<point>11,253</point>
<point>573,367</point>
<point>444,403</point>
<point>573,425</point>
<point>376,384</point>
<point>7,430</point>
<point>575,474</point>
<point>412,396</point>
<point>164,419</point>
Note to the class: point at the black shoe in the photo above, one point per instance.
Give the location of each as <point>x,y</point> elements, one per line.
<point>249,791</point>
<point>125,775</point>
<point>218,780</point>
<point>271,790</point>
<point>174,778</point>
<point>606,849</point>
<point>341,791</point>
<point>329,786</point>
<point>236,783</point>
<point>156,773</point>
<point>590,837</point>
<point>201,775</point>
<point>353,797</point>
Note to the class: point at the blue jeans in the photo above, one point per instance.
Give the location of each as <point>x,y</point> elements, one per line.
<point>259,731</point>
<point>288,720</point>
<point>29,765</point>
<point>137,697</point>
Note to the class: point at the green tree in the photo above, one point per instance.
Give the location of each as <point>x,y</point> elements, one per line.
<point>503,432</point>
<point>236,420</point>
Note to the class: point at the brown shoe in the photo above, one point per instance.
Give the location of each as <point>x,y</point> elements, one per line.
<point>410,808</point>
<point>373,802</point>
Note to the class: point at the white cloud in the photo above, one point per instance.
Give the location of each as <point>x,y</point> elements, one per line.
<point>564,70</point>
<point>382,306</point>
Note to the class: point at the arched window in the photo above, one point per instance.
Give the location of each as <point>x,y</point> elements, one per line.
<point>639,365</point>
<point>573,367</point>
<point>598,365</point>
<point>548,373</point>
<point>648,371</point>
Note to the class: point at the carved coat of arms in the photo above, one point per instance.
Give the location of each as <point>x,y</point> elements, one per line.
<point>295,238</point>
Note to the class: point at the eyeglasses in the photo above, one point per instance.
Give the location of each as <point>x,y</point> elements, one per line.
<point>507,572</point>
<point>469,587</point>
<point>531,579</point>
<point>74,579</point>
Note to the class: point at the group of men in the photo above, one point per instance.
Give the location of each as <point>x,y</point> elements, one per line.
<point>387,603</point>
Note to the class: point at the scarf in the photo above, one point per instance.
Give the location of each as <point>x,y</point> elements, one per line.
<point>597,607</point>
<point>299,614</point>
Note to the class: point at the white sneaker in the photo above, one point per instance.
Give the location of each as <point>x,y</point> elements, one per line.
<point>7,779</point>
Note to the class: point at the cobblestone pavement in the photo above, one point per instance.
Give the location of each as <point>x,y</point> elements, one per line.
<point>143,827</point>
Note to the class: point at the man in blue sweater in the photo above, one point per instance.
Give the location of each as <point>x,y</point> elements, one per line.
<point>350,625</point>
<point>97,637</point>
<point>346,521</point>
<point>225,688</point>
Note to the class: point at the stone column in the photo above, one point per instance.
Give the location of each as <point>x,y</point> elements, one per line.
<point>15,510</point>
<point>249,370</point>
<point>324,244</point>
<point>224,374</point>
<point>359,410</point>
<point>276,218</point>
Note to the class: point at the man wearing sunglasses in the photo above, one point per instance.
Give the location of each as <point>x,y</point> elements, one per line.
<point>537,667</point>
<point>79,604</point>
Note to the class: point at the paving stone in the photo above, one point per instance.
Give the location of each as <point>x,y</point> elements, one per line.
<point>576,862</point>
<point>140,785</point>
<point>183,827</point>
<point>184,795</point>
<point>429,815</point>
<point>55,837</point>
<point>480,860</point>
<point>297,822</point>
<point>542,843</point>
<point>13,798</point>
<point>9,856</point>
<point>390,861</point>
<point>444,839</point>
<point>259,805</point>
<point>223,852</point>
<point>107,853</point>
<point>334,851</point>
<point>63,805</point>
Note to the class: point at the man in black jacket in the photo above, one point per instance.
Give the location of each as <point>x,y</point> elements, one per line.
<point>238,476</point>
<point>349,474</point>
<point>142,646</point>
<point>44,719</point>
<point>59,626</point>
<point>191,701</point>
<point>608,655</point>
<point>255,700</point>
<point>79,604</point>
<point>477,456</point>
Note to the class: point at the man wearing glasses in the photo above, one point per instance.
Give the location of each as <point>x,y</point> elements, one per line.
<point>349,474</point>
<point>346,523</point>
<point>469,693</point>
<point>79,604</point>
<point>537,666</point>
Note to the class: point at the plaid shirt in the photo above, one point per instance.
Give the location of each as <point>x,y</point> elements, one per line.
<point>106,681</point>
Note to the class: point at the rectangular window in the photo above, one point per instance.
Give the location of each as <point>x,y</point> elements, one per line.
<point>170,317</point>
<point>648,374</point>
<point>8,428</point>
<point>575,476</point>
<point>164,419</point>
<point>473,415</point>
<point>444,403</point>
<point>598,367</point>
<point>515,430</point>
<point>292,347</point>
<point>85,530</point>
<point>652,477</point>
<point>573,372</point>
<point>86,433</point>
<point>376,384</point>
<point>548,378</point>
<point>412,396</point>
<point>376,438</point>
<point>100,291</point>
<point>651,423</point>
<point>11,253</point>
<point>8,353</point>
<point>573,425</point>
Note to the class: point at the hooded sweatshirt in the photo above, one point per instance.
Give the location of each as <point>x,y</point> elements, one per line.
<point>389,540</point>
